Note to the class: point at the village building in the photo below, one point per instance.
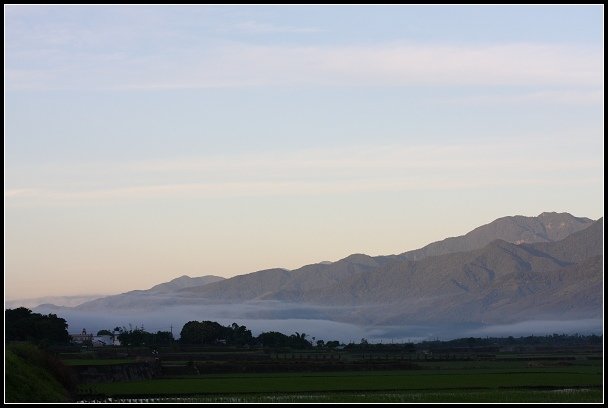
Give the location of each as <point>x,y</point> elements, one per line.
<point>82,337</point>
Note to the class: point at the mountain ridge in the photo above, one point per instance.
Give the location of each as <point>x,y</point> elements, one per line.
<point>516,229</point>
<point>499,282</point>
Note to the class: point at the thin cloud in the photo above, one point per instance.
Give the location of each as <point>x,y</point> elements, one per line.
<point>255,27</point>
<point>46,197</point>
<point>243,65</point>
<point>305,173</point>
<point>552,96</point>
<point>142,48</point>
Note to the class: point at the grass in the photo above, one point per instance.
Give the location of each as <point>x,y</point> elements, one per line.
<point>97,362</point>
<point>508,381</point>
<point>31,375</point>
<point>497,365</point>
<point>377,381</point>
<point>477,396</point>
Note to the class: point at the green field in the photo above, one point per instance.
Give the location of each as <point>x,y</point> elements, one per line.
<point>209,377</point>
<point>99,362</point>
<point>498,396</point>
<point>457,384</point>
<point>584,366</point>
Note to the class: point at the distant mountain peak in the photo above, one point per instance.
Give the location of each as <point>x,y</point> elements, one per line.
<point>185,281</point>
<point>356,257</point>
<point>552,213</point>
<point>183,277</point>
<point>518,229</point>
<point>360,259</point>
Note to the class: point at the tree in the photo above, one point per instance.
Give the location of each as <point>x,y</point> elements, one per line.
<point>278,340</point>
<point>23,325</point>
<point>205,332</point>
<point>190,333</point>
<point>135,337</point>
<point>238,335</point>
<point>210,333</point>
<point>104,332</point>
<point>298,341</point>
<point>273,339</point>
<point>332,344</point>
<point>162,338</point>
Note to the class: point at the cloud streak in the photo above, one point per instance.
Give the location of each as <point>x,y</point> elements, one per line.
<point>245,65</point>
<point>255,27</point>
<point>304,173</point>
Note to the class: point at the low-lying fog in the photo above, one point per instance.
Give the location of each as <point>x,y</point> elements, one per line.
<point>314,323</point>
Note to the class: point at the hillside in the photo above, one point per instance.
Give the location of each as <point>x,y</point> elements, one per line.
<point>159,295</point>
<point>547,227</point>
<point>32,375</point>
<point>499,282</point>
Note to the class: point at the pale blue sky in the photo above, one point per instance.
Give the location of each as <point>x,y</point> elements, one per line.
<point>144,143</point>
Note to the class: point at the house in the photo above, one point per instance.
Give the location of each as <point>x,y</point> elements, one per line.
<point>101,341</point>
<point>81,338</point>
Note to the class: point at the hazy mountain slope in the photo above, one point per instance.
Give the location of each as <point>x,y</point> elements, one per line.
<point>244,286</point>
<point>568,293</point>
<point>280,284</point>
<point>498,283</point>
<point>547,227</point>
<point>159,295</point>
<point>322,277</point>
<point>578,246</point>
<point>363,279</point>
<point>68,301</point>
<point>433,277</point>
<point>184,282</point>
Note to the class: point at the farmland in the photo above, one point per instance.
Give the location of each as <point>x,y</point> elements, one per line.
<point>472,396</point>
<point>353,376</point>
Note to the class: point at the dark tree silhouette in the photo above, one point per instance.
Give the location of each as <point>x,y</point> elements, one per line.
<point>23,325</point>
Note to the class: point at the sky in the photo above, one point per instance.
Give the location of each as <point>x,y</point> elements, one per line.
<point>142,143</point>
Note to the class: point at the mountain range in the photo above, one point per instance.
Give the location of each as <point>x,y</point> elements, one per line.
<point>513,269</point>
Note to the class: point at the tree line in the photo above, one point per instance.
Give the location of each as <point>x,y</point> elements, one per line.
<point>210,333</point>
<point>21,324</point>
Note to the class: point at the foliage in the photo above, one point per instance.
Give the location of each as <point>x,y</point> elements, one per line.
<point>23,325</point>
<point>211,333</point>
<point>239,335</point>
<point>105,332</point>
<point>139,337</point>
<point>332,344</point>
<point>162,338</point>
<point>554,341</point>
<point>33,375</point>
<point>273,339</point>
<point>280,340</point>
<point>205,332</point>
